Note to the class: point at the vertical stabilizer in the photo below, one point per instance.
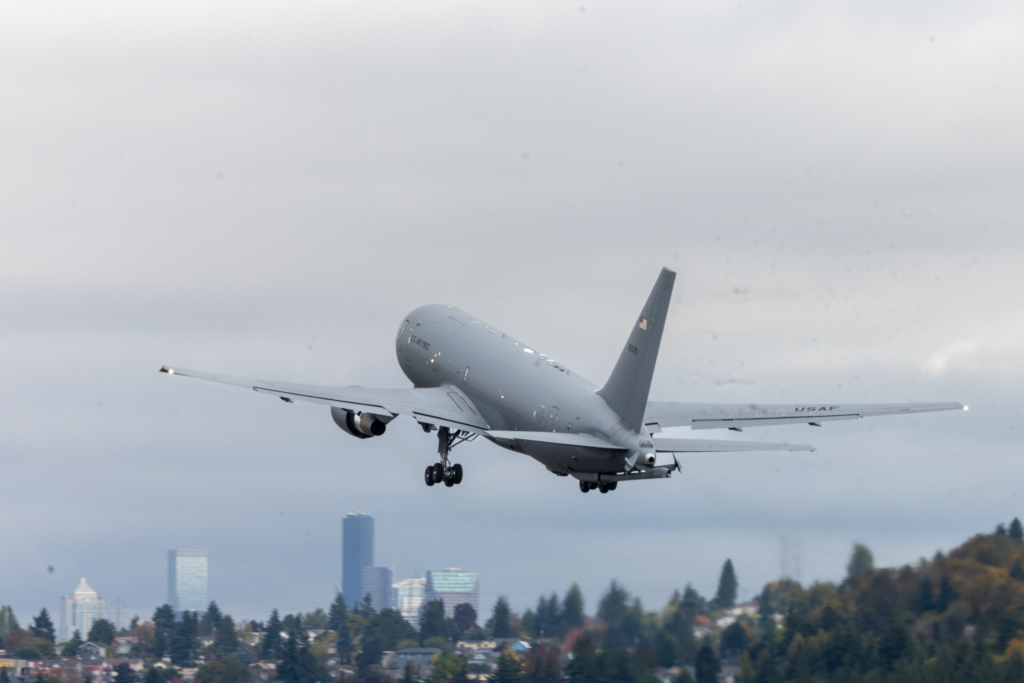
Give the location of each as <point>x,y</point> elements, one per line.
<point>626,390</point>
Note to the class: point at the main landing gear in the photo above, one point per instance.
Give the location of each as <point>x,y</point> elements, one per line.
<point>443,472</point>
<point>587,486</point>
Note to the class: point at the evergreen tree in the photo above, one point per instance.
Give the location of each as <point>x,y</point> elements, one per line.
<point>727,585</point>
<point>344,642</point>
<point>572,607</point>
<point>288,669</point>
<point>338,614</point>
<point>272,640</point>
<point>1017,571</point>
<point>125,673</point>
<point>432,621</point>
<point>227,637</point>
<point>707,665</point>
<point>547,617</point>
<point>509,669</point>
<point>947,594</point>
<point>163,618</point>
<point>734,640</point>
<point>408,674</point>
<point>926,600</point>
<point>42,627</point>
<point>464,617</point>
<point>368,657</point>
<point>102,632</point>
<point>500,623</point>
<point>1016,530</point>
<point>861,561</point>
<point>366,607</point>
<point>155,675</point>
<point>71,647</point>
<point>1000,529</point>
<point>894,643</point>
<point>297,662</point>
<point>614,605</point>
<point>211,619</point>
<point>164,622</point>
<point>8,622</point>
<point>185,640</point>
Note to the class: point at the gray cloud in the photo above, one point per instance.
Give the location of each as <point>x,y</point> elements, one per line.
<point>267,191</point>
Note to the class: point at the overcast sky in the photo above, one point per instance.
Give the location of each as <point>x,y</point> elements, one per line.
<point>266,189</point>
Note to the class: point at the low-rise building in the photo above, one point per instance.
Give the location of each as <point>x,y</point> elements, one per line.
<point>91,653</point>
<point>418,656</point>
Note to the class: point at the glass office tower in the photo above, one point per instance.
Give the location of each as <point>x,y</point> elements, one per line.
<point>356,553</point>
<point>80,611</point>
<point>187,580</point>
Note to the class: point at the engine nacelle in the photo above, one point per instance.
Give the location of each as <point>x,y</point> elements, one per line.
<point>360,425</point>
<point>650,458</point>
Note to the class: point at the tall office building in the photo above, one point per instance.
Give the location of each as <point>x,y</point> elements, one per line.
<point>377,584</point>
<point>453,587</point>
<point>187,580</point>
<point>356,553</point>
<point>79,611</point>
<point>409,599</point>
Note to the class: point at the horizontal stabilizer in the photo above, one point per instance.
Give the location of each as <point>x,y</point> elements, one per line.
<point>725,415</point>
<point>581,440</point>
<point>718,446</point>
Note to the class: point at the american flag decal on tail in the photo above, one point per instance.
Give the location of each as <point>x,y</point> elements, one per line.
<point>643,324</point>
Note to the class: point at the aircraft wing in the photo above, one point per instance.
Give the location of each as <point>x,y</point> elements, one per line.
<point>662,414</point>
<point>440,406</point>
<point>708,446</point>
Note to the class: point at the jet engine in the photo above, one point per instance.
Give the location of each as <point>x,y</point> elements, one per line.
<point>360,425</point>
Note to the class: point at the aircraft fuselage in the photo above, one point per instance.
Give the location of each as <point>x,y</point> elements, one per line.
<point>514,387</point>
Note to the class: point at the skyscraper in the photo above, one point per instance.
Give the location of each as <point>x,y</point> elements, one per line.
<point>79,611</point>
<point>377,584</point>
<point>410,594</point>
<point>453,587</point>
<point>356,553</point>
<point>187,580</point>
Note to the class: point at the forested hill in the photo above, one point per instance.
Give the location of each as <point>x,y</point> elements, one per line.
<point>955,618</point>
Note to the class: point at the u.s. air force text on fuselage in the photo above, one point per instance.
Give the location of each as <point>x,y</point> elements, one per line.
<point>471,379</point>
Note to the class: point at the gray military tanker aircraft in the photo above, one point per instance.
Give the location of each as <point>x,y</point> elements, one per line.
<point>470,379</point>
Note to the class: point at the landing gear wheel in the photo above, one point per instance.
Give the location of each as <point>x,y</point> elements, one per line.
<point>457,473</point>
<point>585,487</point>
<point>449,479</point>
<point>438,472</point>
<point>613,485</point>
<point>603,488</point>
<point>428,476</point>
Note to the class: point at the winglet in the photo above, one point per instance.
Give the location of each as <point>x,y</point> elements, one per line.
<point>627,388</point>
